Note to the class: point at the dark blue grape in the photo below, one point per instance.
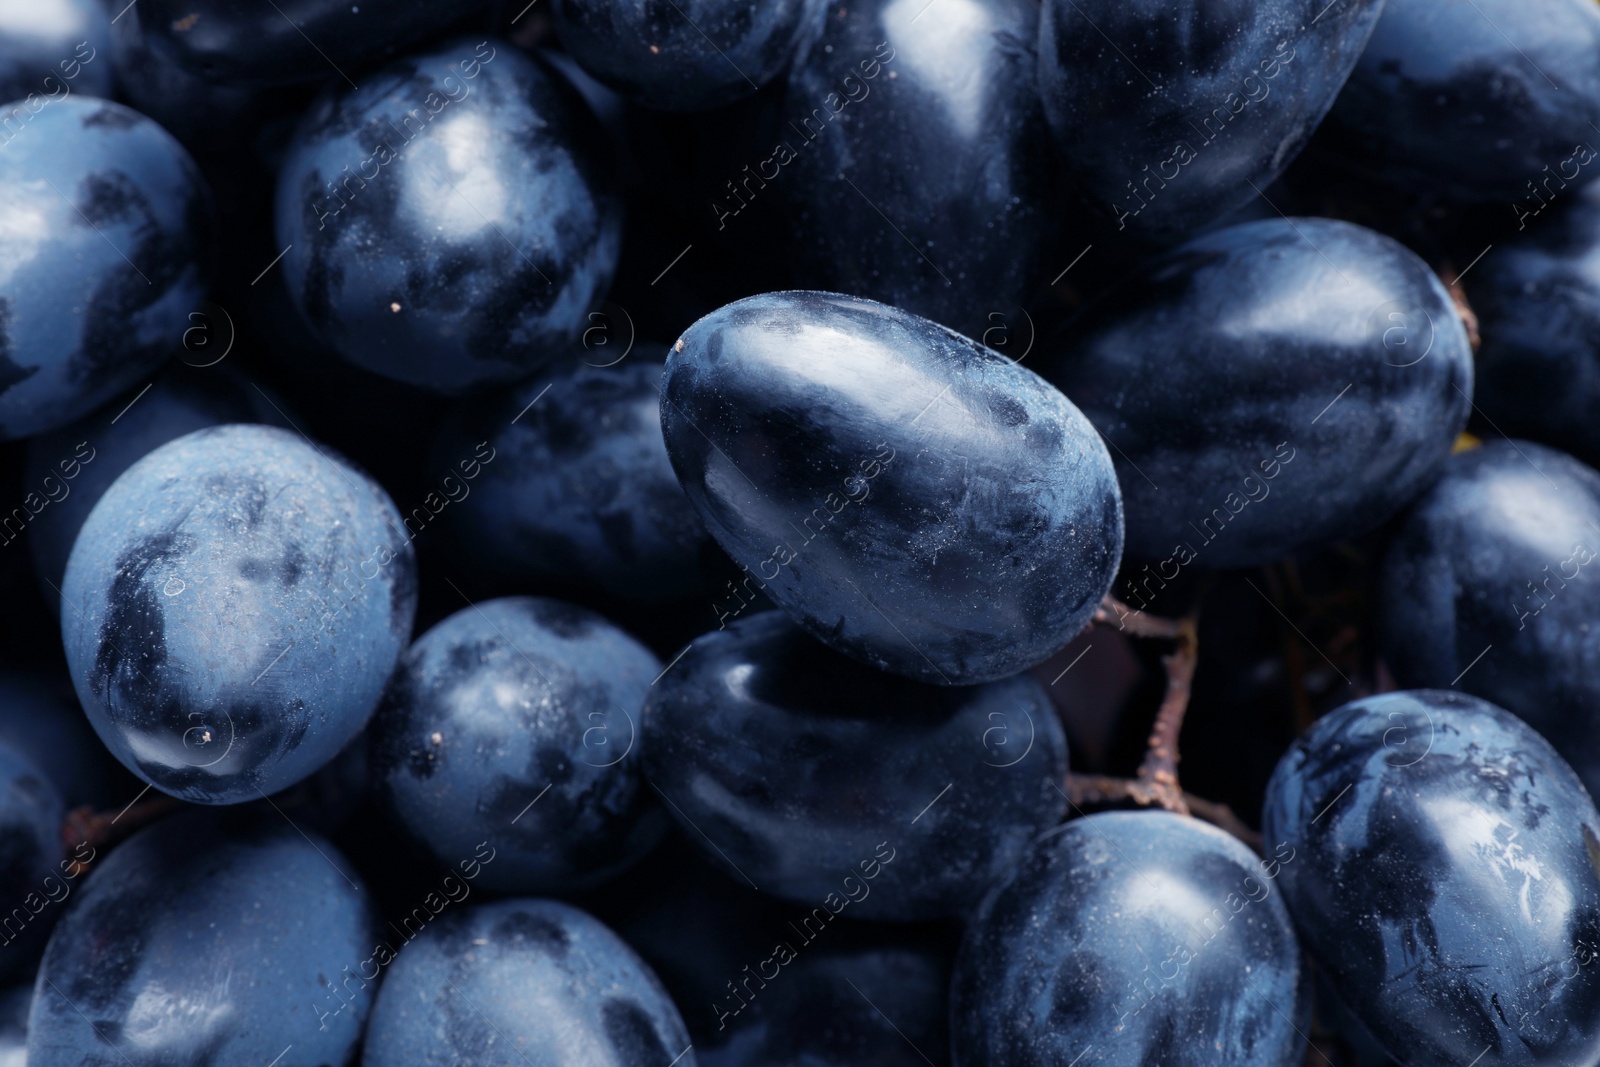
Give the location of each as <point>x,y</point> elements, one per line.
<point>1132,938</point>
<point>1269,387</point>
<point>1170,116</point>
<point>1485,588</point>
<point>203,115</point>
<point>915,161</point>
<point>31,811</point>
<point>75,465</point>
<point>1445,879</point>
<point>519,982</point>
<point>882,1006</point>
<point>690,55</point>
<point>232,609</point>
<point>1488,100</point>
<point>107,219</point>
<point>14,1005</point>
<point>516,720</point>
<point>453,220</point>
<point>837,786</point>
<point>208,938</point>
<point>41,719</point>
<point>913,499</point>
<point>580,490</point>
<point>1537,298</point>
<point>53,48</point>
<point>240,43</point>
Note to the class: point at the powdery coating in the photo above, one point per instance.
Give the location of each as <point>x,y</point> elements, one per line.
<point>232,609</point>
<point>1166,112</point>
<point>1492,584</point>
<point>1537,298</point>
<point>83,183</point>
<point>1446,879</point>
<point>1442,99</point>
<point>799,763</point>
<point>182,400</point>
<point>580,489</point>
<point>453,220</point>
<point>1149,937</point>
<point>31,811</point>
<point>936,123</point>
<point>691,55</point>
<point>253,44</point>
<point>517,721</point>
<point>205,939</point>
<point>1269,387</point>
<point>44,45</point>
<point>913,499</point>
<point>519,982</point>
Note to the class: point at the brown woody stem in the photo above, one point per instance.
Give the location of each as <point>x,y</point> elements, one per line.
<point>98,829</point>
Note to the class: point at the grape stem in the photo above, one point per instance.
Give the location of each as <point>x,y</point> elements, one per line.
<point>100,829</point>
<point>1156,783</point>
<point>1458,296</point>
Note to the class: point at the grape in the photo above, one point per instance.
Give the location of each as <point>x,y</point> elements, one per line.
<point>450,223</point>
<point>757,732</point>
<point>516,720</point>
<point>882,1006</point>
<point>1193,108</point>
<point>1445,879</point>
<point>232,609</point>
<point>1489,100</point>
<point>30,849</point>
<point>108,221</point>
<point>914,161</point>
<point>49,49</point>
<point>14,1004</point>
<point>1268,387</point>
<point>519,982</point>
<point>1537,298</point>
<point>1132,938</point>
<point>81,461</point>
<point>246,44</point>
<point>210,937</point>
<point>580,491</point>
<point>1482,588</point>
<point>40,719</point>
<point>913,499</point>
<point>695,55</point>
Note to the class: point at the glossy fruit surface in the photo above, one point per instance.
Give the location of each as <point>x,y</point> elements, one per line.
<point>210,937</point>
<point>912,498</point>
<point>915,160</point>
<point>1171,115</point>
<point>100,265</point>
<point>1537,298</point>
<point>580,488</point>
<point>1487,100</point>
<point>53,48</point>
<point>237,42</point>
<point>516,721</point>
<point>1490,586</point>
<point>1445,879</point>
<point>1137,938</point>
<point>451,221</point>
<point>232,609</point>
<point>74,466</point>
<point>689,56</point>
<point>520,981</point>
<point>1269,387</point>
<point>755,734</point>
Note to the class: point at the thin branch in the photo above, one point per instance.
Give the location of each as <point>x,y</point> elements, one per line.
<point>99,829</point>
<point>1113,612</point>
<point>1458,295</point>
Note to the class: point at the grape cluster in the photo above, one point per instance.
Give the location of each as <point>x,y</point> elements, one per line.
<point>794,533</point>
